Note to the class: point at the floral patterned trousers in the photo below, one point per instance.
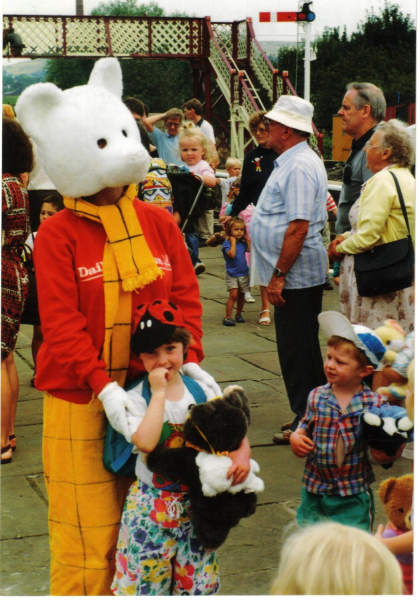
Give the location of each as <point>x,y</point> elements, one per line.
<point>157,552</point>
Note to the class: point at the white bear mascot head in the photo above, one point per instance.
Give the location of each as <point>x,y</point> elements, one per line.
<point>86,137</point>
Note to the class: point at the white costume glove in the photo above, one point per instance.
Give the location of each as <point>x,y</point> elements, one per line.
<point>207,382</point>
<point>114,399</point>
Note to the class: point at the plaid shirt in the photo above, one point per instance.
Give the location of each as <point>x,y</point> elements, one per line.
<point>324,420</point>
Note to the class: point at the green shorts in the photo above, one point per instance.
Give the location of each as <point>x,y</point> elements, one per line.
<point>357,511</point>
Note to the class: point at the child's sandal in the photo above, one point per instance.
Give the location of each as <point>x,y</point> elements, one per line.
<point>239,319</point>
<point>229,322</point>
<point>265,320</point>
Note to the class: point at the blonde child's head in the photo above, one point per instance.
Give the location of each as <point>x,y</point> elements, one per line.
<point>333,559</point>
<point>188,134</point>
<point>233,166</point>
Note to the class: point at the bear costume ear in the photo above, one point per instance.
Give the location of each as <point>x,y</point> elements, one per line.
<point>386,488</point>
<point>34,105</point>
<point>107,74</point>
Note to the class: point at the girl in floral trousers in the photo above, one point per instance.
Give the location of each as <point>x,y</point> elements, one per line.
<point>157,552</point>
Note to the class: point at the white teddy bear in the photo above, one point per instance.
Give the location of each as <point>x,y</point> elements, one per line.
<point>213,472</point>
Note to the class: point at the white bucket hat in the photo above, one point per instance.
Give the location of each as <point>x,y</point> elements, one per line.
<point>294,112</point>
<point>334,323</point>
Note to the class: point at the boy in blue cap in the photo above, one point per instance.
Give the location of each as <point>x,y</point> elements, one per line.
<point>338,474</point>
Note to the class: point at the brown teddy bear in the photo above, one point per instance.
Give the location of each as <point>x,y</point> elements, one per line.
<point>397,498</point>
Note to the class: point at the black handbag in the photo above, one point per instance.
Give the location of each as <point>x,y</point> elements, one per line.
<point>388,267</point>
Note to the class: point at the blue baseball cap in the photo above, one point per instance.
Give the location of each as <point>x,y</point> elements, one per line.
<point>366,340</point>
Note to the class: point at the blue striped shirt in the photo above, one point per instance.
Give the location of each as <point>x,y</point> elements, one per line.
<point>324,421</point>
<point>297,189</point>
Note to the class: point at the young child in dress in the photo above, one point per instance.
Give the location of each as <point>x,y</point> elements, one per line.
<point>195,151</point>
<point>52,204</point>
<point>235,243</point>
<point>338,474</point>
<point>331,559</point>
<point>157,552</point>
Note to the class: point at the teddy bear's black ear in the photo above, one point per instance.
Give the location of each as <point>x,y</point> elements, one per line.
<point>235,395</point>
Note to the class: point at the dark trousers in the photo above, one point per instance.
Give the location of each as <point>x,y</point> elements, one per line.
<point>298,345</point>
<point>193,247</point>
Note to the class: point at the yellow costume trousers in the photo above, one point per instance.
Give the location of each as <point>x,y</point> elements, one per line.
<point>85,500</point>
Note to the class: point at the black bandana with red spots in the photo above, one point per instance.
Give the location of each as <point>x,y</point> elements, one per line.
<point>153,325</point>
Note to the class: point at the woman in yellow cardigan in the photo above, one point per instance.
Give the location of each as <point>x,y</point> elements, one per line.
<point>376,218</point>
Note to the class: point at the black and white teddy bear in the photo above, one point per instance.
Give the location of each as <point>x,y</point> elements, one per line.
<point>211,431</point>
<point>386,429</point>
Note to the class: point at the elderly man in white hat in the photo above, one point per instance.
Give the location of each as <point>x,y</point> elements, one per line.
<point>288,252</point>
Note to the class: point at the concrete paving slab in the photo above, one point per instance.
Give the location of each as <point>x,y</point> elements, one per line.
<point>259,393</point>
<point>25,566</point>
<point>266,421</point>
<point>233,369</point>
<point>253,548</point>
<point>29,411</point>
<point>281,472</point>
<point>269,361</point>
<point>27,460</point>
<point>215,344</point>
<point>18,493</point>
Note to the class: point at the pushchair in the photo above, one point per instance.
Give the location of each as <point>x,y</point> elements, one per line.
<point>191,199</point>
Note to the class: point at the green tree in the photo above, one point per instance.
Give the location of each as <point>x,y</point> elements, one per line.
<point>382,51</point>
<point>161,84</point>
<point>128,8</point>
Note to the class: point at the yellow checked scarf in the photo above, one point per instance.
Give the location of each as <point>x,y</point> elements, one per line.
<point>128,265</point>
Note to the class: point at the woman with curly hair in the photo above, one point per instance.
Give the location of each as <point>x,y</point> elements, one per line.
<point>376,218</point>
<point>17,163</point>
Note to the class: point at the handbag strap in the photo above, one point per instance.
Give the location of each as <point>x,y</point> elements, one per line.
<point>401,199</point>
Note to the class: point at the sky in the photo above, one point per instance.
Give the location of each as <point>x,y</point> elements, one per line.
<point>331,13</point>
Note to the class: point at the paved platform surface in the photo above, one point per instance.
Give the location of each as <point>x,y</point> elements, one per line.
<point>245,354</point>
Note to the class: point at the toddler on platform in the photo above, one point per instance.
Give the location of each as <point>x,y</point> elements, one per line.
<point>195,151</point>
<point>338,474</point>
<point>235,243</point>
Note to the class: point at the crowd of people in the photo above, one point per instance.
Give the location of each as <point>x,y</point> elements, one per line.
<point>117,307</point>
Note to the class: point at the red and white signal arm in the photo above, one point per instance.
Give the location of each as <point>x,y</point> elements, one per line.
<point>305,14</point>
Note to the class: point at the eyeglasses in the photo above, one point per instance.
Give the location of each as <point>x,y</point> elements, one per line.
<point>168,124</point>
<point>369,145</point>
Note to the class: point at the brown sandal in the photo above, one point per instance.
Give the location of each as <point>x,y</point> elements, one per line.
<point>12,442</point>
